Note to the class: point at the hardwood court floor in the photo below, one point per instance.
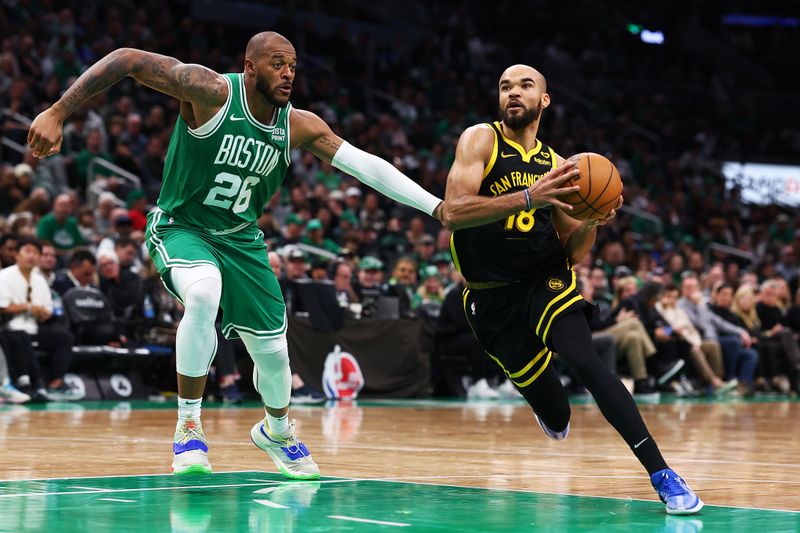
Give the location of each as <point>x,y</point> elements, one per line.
<point>425,465</point>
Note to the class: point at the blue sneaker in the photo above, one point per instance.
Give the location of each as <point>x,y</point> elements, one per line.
<point>287,452</point>
<point>191,449</point>
<point>675,493</point>
<point>555,435</point>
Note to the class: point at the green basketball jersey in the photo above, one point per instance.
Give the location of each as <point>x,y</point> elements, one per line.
<point>220,175</point>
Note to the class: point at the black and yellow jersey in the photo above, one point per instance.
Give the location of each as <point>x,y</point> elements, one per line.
<point>521,245</point>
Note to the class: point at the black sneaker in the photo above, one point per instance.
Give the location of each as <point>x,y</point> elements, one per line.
<point>307,395</point>
<point>644,391</point>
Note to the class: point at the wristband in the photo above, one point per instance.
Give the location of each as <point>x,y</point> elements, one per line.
<point>527,199</point>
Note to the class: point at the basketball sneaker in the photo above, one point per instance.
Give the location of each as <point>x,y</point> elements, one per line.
<point>675,493</point>
<point>10,393</point>
<point>287,452</point>
<point>555,435</point>
<point>191,449</point>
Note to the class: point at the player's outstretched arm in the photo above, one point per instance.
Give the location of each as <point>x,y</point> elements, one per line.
<point>202,87</point>
<point>464,208</point>
<point>310,132</point>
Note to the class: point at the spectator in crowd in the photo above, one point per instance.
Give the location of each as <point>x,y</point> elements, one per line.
<point>48,262</point>
<point>315,236</point>
<point>123,289</point>
<point>137,209</point>
<point>60,227</point>
<point>25,294</point>
<point>368,285</point>
<point>103,221</point>
<point>8,250</point>
<point>772,322</point>
<point>735,341</point>
<point>631,340</point>
<point>402,283</point>
<point>430,293</point>
<point>342,282</point>
<point>773,362</point>
<point>705,354</point>
<point>80,272</point>
<point>122,227</point>
<point>721,304</point>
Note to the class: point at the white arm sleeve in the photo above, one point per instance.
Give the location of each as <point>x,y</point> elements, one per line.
<point>383,177</point>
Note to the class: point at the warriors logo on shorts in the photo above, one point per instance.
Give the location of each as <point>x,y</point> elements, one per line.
<point>555,284</point>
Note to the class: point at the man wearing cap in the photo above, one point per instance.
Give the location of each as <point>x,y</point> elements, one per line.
<point>368,284</point>
<point>137,209</point>
<point>60,227</point>
<point>293,230</point>
<point>315,236</point>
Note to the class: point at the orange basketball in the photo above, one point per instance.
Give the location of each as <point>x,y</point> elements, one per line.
<point>600,185</point>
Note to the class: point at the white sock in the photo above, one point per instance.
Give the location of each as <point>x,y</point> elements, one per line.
<point>278,426</point>
<point>24,380</point>
<point>189,409</point>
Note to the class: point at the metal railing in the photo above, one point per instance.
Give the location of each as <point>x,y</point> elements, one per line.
<point>728,250</point>
<point>94,187</point>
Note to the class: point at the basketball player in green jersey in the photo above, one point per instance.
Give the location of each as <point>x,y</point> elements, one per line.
<point>515,244</point>
<point>228,155</point>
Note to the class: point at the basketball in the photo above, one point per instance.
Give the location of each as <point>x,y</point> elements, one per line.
<point>600,185</point>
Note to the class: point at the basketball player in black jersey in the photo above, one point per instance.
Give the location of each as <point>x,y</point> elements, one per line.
<point>515,244</point>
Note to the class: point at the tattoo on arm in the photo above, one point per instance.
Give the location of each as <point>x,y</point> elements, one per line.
<point>327,141</point>
<point>193,83</point>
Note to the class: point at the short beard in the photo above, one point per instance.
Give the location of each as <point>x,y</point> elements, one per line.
<point>264,90</point>
<point>518,122</point>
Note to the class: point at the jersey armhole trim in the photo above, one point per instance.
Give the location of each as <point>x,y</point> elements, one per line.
<point>554,158</point>
<point>208,129</point>
<point>288,134</point>
<point>493,157</point>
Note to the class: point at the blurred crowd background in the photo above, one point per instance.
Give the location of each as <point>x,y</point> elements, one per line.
<point>402,80</point>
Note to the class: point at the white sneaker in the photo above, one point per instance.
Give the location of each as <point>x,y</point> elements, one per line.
<point>287,452</point>
<point>508,390</point>
<point>481,390</point>
<point>191,449</point>
<point>9,393</point>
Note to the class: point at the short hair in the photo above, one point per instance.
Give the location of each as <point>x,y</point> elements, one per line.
<point>124,241</point>
<point>80,256</point>
<point>671,287</point>
<point>8,237</point>
<point>29,241</point>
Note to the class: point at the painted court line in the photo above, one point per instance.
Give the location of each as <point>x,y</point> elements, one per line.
<point>93,489</point>
<point>268,503</point>
<point>110,476</point>
<point>114,491</point>
<point>116,500</point>
<point>367,521</point>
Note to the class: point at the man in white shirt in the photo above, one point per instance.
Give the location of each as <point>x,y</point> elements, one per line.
<point>25,294</point>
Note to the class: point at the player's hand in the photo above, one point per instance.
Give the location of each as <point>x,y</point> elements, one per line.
<point>606,219</point>
<point>45,133</point>
<point>551,186</point>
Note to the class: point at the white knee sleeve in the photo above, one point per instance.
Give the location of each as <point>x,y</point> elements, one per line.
<point>271,375</point>
<point>200,289</point>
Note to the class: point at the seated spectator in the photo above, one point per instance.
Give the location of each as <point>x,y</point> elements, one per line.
<point>8,392</point>
<point>402,284</point>
<point>773,363</point>
<point>80,272</point>
<point>706,354</point>
<point>722,297</point>
<point>368,285</point>
<point>430,294</point>
<point>128,253</point>
<point>60,227</point>
<point>123,289</point>
<point>343,284</point>
<point>315,236</point>
<point>137,209</point>
<point>319,269</point>
<point>8,249</point>
<point>122,226</point>
<point>772,321</point>
<point>25,294</point>
<point>47,263</point>
<point>631,339</point>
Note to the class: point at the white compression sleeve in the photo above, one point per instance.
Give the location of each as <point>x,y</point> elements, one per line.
<point>383,177</point>
<point>200,288</point>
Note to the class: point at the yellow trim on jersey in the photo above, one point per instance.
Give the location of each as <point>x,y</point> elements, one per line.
<point>554,301</point>
<point>464,295</point>
<point>557,312</point>
<point>526,156</point>
<point>453,252</point>
<point>529,365</point>
<point>555,158</point>
<point>537,374</point>
<point>493,158</point>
